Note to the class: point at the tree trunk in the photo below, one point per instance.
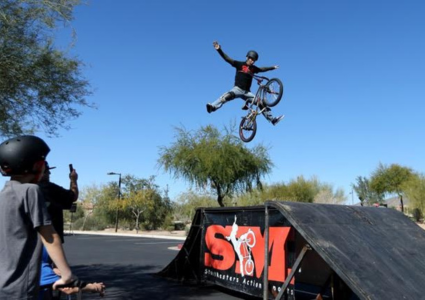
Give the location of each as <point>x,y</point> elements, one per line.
<point>220,197</point>
<point>401,204</point>
<point>220,200</point>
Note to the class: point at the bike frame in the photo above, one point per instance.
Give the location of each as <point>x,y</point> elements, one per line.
<point>258,105</point>
<point>257,99</point>
<point>247,243</point>
<point>247,249</point>
<point>254,106</point>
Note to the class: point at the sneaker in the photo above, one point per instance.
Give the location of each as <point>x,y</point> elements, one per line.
<point>277,119</point>
<point>245,106</point>
<point>210,108</point>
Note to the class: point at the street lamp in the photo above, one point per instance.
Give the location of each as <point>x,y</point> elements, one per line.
<point>119,197</point>
<point>352,195</point>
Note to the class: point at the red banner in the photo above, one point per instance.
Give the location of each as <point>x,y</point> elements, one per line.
<point>234,251</point>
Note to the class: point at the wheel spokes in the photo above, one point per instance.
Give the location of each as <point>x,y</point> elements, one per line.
<point>272,92</point>
<point>248,125</point>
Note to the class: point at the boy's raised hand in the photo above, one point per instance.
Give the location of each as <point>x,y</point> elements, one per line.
<point>216,45</point>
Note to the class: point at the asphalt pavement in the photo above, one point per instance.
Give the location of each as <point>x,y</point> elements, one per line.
<point>127,266</point>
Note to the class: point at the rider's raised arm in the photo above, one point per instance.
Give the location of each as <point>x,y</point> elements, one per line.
<point>225,56</point>
<point>265,69</point>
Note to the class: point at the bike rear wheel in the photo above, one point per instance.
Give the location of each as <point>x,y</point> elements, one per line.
<point>247,129</point>
<point>249,267</point>
<point>272,92</point>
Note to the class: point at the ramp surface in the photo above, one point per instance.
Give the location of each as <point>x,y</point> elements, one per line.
<point>378,252</point>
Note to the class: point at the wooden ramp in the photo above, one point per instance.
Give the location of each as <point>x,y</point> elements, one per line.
<point>323,251</point>
<point>378,252</point>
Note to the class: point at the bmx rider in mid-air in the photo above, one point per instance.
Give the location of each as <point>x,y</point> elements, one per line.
<point>243,81</point>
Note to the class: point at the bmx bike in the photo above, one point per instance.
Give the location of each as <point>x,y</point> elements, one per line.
<point>248,241</point>
<point>268,94</point>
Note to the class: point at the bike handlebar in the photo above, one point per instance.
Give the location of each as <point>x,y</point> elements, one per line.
<point>260,77</point>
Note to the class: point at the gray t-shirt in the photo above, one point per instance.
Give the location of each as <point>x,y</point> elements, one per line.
<point>22,210</point>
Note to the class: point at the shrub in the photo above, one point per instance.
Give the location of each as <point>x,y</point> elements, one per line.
<point>90,223</point>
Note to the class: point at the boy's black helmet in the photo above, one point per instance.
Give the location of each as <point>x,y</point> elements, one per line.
<point>253,54</point>
<point>18,155</point>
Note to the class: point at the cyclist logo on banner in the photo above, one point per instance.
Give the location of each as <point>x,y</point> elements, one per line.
<point>242,247</point>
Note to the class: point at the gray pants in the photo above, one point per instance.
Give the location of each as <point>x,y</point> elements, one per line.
<point>246,96</point>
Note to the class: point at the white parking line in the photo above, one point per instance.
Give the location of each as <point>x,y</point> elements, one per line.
<point>174,248</point>
<point>154,243</point>
<point>130,235</point>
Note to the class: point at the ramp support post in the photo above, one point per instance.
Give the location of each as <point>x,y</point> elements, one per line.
<point>266,255</point>
<point>294,269</point>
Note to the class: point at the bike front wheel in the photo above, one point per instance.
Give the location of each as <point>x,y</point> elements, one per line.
<point>247,129</point>
<point>250,239</point>
<point>273,92</point>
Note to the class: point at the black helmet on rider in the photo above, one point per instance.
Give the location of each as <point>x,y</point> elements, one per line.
<point>22,155</point>
<point>252,54</point>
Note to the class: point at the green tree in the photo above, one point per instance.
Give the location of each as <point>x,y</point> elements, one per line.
<point>276,191</point>
<point>131,183</point>
<point>104,199</point>
<point>97,197</point>
<point>161,212</point>
<point>187,203</point>
<point>139,202</point>
<point>70,217</point>
<point>365,194</point>
<point>414,190</point>
<point>298,190</point>
<point>91,194</point>
<point>209,159</point>
<point>40,85</point>
<point>390,179</point>
<point>256,196</point>
<point>302,190</point>
<point>327,194</point>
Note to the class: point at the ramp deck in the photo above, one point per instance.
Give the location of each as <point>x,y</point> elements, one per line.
<point>378,252</point>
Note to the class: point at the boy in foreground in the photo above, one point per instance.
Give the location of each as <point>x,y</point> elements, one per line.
<point>24,222</point>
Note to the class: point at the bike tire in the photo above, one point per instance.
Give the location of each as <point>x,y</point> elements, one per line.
<point>249,267</point>
<point>250,239</point>
<point>273,92</point>
<point>247,129</point>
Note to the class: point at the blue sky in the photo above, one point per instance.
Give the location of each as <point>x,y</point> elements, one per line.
<point>353,73</point>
